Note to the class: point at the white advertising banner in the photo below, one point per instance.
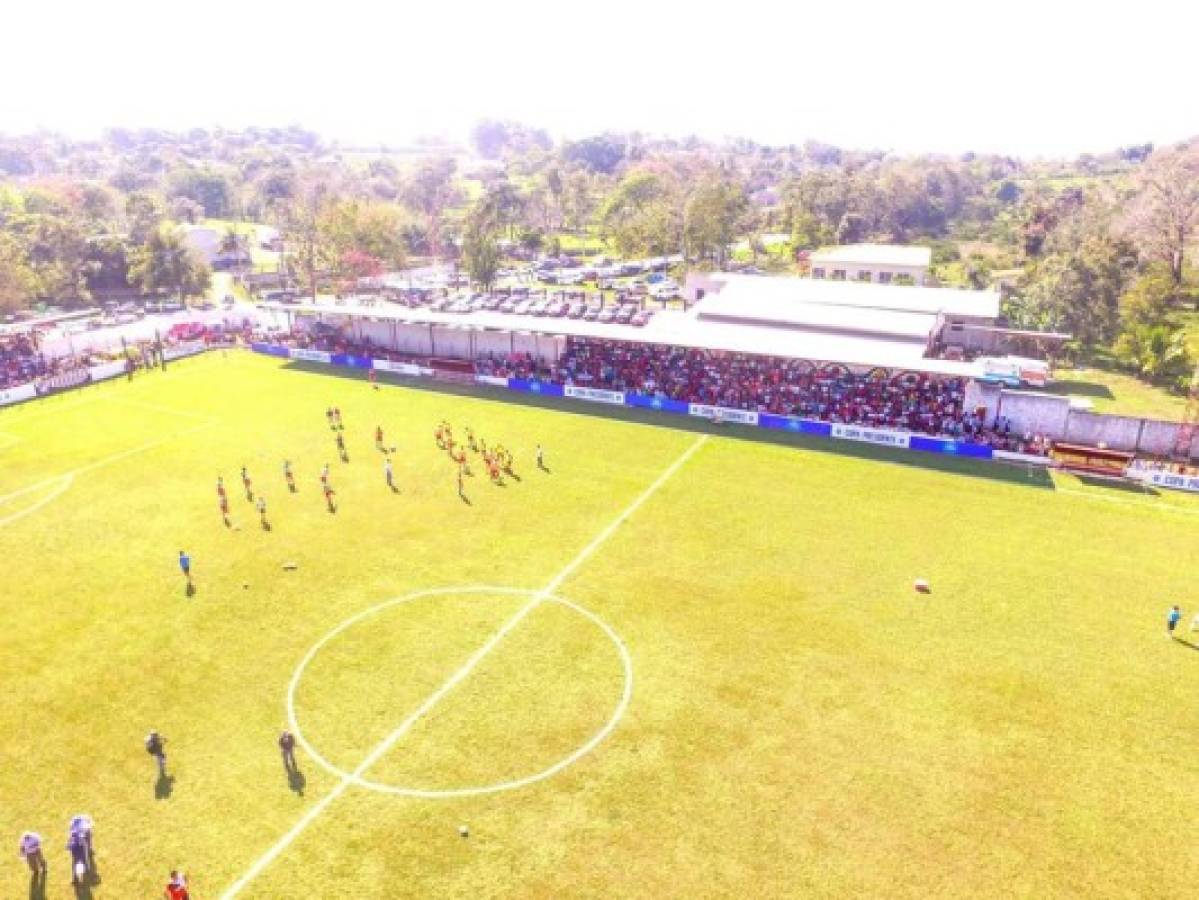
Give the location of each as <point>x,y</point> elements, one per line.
<point>493,380</point>
<point>17,394</point>
<point>400,368</point>
<point>107,370</point>
<point>883,436</point>
<point>1171,480</point>
<point>597,395</point>
<point>722,414</point>
<point>178,351</point>
<point>310,355</point>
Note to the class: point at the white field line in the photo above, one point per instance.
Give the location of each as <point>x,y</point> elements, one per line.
<point>1149,503</point>
<point>103,461</point>
<point>433,699</point>
<point>154,407</point>
<point>30,510</point>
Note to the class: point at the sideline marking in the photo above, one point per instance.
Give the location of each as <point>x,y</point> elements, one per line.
<point>1149,503</point>
<point>390,741</point>
<point>441,793</point>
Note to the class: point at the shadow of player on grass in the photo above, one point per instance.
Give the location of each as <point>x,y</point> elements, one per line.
<point>190,590</point>
<point>1185,642</point>
<point>296,781</point>
<point>163,787</point>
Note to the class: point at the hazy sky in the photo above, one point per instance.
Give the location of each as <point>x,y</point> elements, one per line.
<point>1026,78</point>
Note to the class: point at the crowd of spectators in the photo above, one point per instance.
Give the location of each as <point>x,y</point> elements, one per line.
<point>21,362</point>
<point>918,403</point>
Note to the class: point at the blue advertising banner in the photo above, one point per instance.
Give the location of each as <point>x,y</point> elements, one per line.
<point>799,426</point>
<point>949,448</point>
<point>662,404</point>
<point>270,350</point>
<point>535,387</point>
<point>353,362</point>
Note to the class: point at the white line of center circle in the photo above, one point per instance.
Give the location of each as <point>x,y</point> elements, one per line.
<point>434,794</point>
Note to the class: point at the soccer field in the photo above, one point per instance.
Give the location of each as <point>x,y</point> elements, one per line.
<point>682,662</point>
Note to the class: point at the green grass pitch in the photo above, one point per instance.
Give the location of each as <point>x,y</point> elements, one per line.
<point>799,721</point>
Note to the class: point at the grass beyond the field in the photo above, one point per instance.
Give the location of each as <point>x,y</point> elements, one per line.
<point>801,722</point>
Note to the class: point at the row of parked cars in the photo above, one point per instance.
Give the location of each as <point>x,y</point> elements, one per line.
<point>595,311</point>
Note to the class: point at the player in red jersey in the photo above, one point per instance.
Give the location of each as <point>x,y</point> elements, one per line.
<point>247,484</point>
<point>379,437</point>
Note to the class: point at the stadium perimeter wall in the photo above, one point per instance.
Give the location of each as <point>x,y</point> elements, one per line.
<point>1053,417</point>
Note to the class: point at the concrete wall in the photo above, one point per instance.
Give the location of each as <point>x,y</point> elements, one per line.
<point>1051,416</point>
<point>1116,432</point>
<point>1034,413</point>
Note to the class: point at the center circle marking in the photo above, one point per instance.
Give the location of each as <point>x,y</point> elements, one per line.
<point>435,794</point>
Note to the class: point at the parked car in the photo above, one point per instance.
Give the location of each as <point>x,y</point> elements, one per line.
<point>624,315</point>
<point>507,306</point>
<point>491,303</point>
<point>642,317</point>
<point>555,308</point>
<point>606,315</point>
<point>575,310</point>
<point>522,308</point>
<point>592,312</point>
<point>664,291</point>
<point>539,307</point>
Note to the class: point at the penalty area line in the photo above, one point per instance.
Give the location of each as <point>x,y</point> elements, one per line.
<point>469,666</point>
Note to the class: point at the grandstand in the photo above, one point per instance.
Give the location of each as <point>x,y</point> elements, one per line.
<point>936,331</point>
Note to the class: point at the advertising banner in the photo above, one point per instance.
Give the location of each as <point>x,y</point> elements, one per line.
<point>107,370</point>
<point>662,404</point>
<point>269,349</point>
<point>401,368</point>
<point>790,423</point>
<point>62,381</point>
<point>596,395</point>
<point>884,437</point>
<point>17,394</point>
<point>536,387</point>
<point>310,355</point>
<point>721,414</point>
<point>1171,480</point>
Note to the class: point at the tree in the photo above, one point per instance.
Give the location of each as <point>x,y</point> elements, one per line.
<point>1164,214</point>
<point>602,153</point>
<point>18,282</point>
<point>480,248</point>
<point>300,226</point>
<point>431,190</point>
<point>1153,351</point>
<point>143,214</point>
<point>361,238</point>
<point>1078,292</point>
<point>211,190</point>
<point>711,218</point>
<point>166,264</point>
<point>642,216</point>
<point>1150,298</point>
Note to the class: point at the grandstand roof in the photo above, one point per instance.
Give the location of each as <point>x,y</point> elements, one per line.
<point>677,328</point>
<point>875,255</point>
<point>768,296</point>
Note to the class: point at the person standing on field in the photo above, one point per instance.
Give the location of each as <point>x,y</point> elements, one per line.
<point>155,746</point>
<point>287,746</point>
<point>31,852</point>
<point>1173,617</point>
<point>176,888</point>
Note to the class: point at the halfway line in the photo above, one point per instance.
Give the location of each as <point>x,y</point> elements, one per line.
<point>433,699</point>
